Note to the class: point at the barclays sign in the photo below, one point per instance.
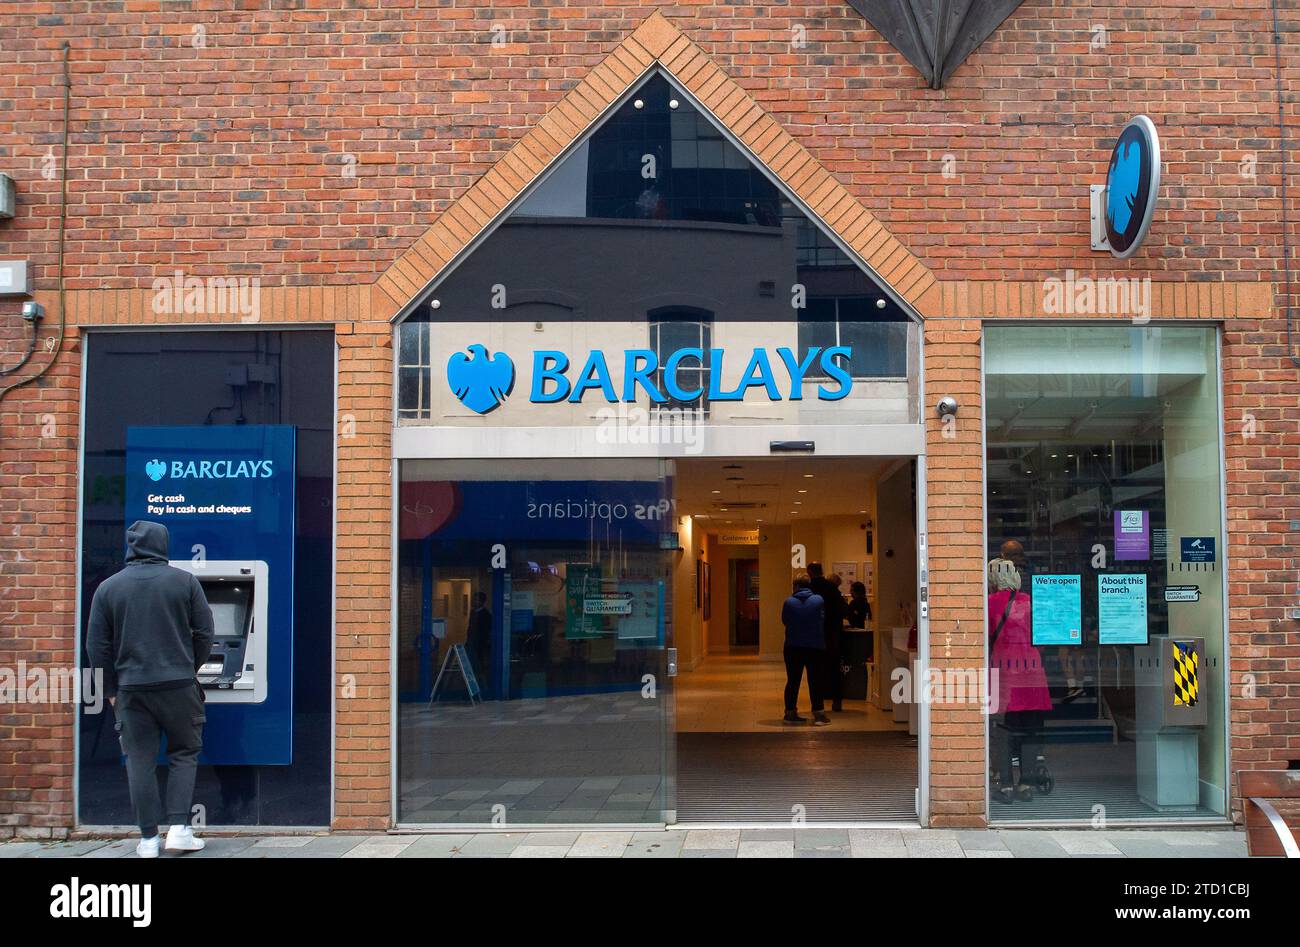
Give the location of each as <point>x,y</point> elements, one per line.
<point>482,382</point>
<point>156,469</point>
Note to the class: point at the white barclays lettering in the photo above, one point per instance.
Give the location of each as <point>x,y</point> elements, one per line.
<point>222,469</point>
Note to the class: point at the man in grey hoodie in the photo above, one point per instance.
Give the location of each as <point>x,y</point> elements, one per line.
<point>150,631</point>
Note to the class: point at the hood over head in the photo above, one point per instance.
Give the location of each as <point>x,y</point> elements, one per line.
<point>146,542</point>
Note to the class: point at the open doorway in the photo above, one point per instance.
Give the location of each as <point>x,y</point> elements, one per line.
<point>744,598</point>
<point>749,528</point>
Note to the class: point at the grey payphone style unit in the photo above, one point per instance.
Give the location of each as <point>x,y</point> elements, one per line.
<point>236,671</point>
<point>1171,677</point>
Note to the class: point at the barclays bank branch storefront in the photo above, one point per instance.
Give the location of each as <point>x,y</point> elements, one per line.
<point>500,536</point>
<point>638,405</point>
<point>656,348</point>
<point>658,389</point>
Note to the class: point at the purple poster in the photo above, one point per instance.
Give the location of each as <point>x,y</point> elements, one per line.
<point>1132,535</point>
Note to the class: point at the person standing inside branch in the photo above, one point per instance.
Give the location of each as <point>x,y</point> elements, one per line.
<point>150,631</point>
<point>859,609</point>
<point>805,649</point>
<point>833,626</point>
<point>1020,685</point>
<point>1070,659</point>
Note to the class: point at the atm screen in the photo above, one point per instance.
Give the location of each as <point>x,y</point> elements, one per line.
<point>230,603</point>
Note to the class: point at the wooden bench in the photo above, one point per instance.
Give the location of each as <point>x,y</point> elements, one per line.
<point>1267,829</point>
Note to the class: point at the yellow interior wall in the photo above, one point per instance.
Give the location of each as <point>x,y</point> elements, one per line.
<point>688,626</point>
<point>896,573</point>
<point>773,588</point>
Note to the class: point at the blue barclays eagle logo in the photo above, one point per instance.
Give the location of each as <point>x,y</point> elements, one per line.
<point>481,382</point>
<point>1125,173</point>
<point>155,469</point>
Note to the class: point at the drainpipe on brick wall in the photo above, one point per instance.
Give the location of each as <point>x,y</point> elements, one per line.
<point>1286,224</point>
<point>63,226</point>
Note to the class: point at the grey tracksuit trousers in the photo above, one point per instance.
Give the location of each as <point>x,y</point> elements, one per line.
<point>143,716</point>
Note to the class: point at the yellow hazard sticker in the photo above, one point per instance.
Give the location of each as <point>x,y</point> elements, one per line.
<point>1186,664</point>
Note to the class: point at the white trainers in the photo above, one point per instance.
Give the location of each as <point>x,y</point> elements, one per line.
<point>148,847</point>
<point>181,838</point>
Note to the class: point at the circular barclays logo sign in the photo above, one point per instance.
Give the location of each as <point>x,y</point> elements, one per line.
<point>1132,186</point>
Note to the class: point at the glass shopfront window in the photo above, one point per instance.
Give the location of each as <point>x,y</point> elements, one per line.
<point>221,382</point>
<point>1105,594</point>
<point>657,237</point>
<point>531,631</point>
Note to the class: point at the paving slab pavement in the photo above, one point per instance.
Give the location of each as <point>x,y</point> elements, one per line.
<point>796,842</point>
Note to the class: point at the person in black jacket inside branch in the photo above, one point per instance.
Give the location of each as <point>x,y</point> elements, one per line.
<point>833,624</point>
<point>805,648</point>
<point>859,609</point>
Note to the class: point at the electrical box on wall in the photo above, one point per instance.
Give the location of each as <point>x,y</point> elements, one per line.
<point>8,196</point>
<point>13,278</point>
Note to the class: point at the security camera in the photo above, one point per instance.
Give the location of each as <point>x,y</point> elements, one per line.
<point>947,407</point>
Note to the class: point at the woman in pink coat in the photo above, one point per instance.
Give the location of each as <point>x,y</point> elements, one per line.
<point>1019,687</point>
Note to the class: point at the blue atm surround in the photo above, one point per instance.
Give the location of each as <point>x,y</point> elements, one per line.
<point>237,485</point>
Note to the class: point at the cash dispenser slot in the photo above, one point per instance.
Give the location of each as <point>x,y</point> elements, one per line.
<point>235,671</point>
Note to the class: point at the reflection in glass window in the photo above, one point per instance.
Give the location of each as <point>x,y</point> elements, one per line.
<point>1105,552</point>
<point>672,329</point>
<point>659,210</point>
<point>532,607</point>
<point>413,370</point>
<point>660,162</point>
<point>816,248</point>
<point>879,346</point>
<point>184,378</point>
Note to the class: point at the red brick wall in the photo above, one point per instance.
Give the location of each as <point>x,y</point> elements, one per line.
<point>230,157</point>
<point>224,142</point>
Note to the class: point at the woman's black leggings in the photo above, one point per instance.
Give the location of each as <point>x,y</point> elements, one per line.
<point>1017,736</point>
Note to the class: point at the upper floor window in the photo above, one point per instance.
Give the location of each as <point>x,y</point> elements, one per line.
<point>679,327</point>
<point>879,345</point>
<point>413,371</point>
